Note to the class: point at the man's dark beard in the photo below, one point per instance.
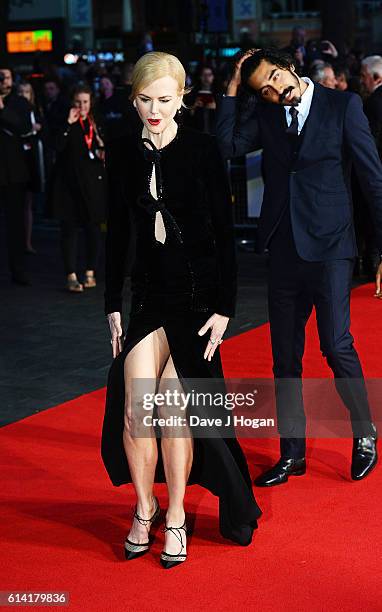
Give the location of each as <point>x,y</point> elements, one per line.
<point>295,101</point>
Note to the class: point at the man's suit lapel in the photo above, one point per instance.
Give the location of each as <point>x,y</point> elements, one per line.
<point>275,116</point>
<point>318,116</point>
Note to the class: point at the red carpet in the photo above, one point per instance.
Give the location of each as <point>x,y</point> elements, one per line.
<point>318,547</point>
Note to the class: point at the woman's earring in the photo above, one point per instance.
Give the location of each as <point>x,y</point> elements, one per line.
<point>179,112</point>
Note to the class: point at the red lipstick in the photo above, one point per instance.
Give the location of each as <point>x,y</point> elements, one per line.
<point>154,121</point>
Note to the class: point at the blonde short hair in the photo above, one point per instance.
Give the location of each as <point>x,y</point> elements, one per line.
<point>153,66</point>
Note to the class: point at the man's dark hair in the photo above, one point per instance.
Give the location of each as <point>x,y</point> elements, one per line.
<point>52,79</point>
<point>5,67</point>
<point>273,56</point>
<point>342,69</point>
<point>83,88</point>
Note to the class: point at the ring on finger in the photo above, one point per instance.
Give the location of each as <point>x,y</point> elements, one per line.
<point>212,340</point>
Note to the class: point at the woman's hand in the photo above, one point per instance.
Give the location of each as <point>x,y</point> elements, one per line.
<point>114,319</point>
<point>74,115</point>
<point>218,324</point>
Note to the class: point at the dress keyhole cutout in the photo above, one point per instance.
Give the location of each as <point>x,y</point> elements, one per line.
<point>160,230</point>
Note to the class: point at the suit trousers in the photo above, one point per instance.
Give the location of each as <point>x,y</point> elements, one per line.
<point>69,244</point>
<point>295,286</point>
<point>13,198</point>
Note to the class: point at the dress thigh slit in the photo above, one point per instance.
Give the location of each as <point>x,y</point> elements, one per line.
<point>219,464</point>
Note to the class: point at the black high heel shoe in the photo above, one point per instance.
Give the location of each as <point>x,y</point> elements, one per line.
<point>133,550</point>
<point>168,561</point>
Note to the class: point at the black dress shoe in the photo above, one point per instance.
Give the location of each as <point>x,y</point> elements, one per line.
<point>364,456</point>
<point>280,473</point>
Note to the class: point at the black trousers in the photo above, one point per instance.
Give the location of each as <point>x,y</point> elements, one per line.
<point>13,199</point>
<point>295,286</point>
<point>69,244</point>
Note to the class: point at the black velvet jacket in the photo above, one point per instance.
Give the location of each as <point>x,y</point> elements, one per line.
<point>196,193</point>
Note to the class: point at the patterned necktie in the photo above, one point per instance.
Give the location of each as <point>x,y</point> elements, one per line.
<point>293,128</point>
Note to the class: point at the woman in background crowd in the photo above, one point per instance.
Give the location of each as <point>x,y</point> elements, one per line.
<point>79,197</point>
<point>202,102</point>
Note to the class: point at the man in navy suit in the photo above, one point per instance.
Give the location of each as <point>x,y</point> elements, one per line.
<point>310,138</point>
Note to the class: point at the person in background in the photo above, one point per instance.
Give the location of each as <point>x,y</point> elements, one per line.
<point>113,109</point>
<point>324,75</point>
<point>371,79</point>
<point>146,44</point>
<point>342,75</point>
<point>126,77</point>
<point>297,48</point>
<point>34,156</point>
<point>55,108</point>
<point>14,122</point>
<point>79,195</point>
<point>202,102</point>
<point>123,89</point>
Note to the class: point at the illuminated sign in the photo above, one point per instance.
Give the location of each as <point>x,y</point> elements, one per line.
<point>28,42</point>
<point>222,51</point>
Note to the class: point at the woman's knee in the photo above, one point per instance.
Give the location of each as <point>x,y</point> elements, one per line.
<point>135,411</point>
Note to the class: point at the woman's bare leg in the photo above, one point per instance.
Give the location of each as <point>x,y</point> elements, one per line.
<point>146,360</point>
<point>177,453</point>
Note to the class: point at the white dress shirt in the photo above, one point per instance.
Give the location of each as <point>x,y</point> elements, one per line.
<point>304,106</point>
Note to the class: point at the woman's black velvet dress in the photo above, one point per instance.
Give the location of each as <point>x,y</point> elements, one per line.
<point>177,285</point>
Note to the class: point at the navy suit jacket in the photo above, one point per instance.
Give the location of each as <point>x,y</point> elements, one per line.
<point>315,182</point>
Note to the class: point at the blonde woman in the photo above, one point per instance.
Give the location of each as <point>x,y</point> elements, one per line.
<point>168,185</point>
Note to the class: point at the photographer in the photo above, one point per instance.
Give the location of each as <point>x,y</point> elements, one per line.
<point>14,122</point>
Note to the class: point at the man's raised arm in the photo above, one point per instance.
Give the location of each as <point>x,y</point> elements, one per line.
<point>237,133</point>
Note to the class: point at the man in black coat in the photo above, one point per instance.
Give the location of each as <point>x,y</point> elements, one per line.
<point>371,77</point>
<point>14,121</point>
<point>310,137</point>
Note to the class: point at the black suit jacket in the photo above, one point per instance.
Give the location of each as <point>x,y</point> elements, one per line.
<point>373,111</point>
<point>195,192</point>
<point>315,183</point>
<point>14,122</point>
